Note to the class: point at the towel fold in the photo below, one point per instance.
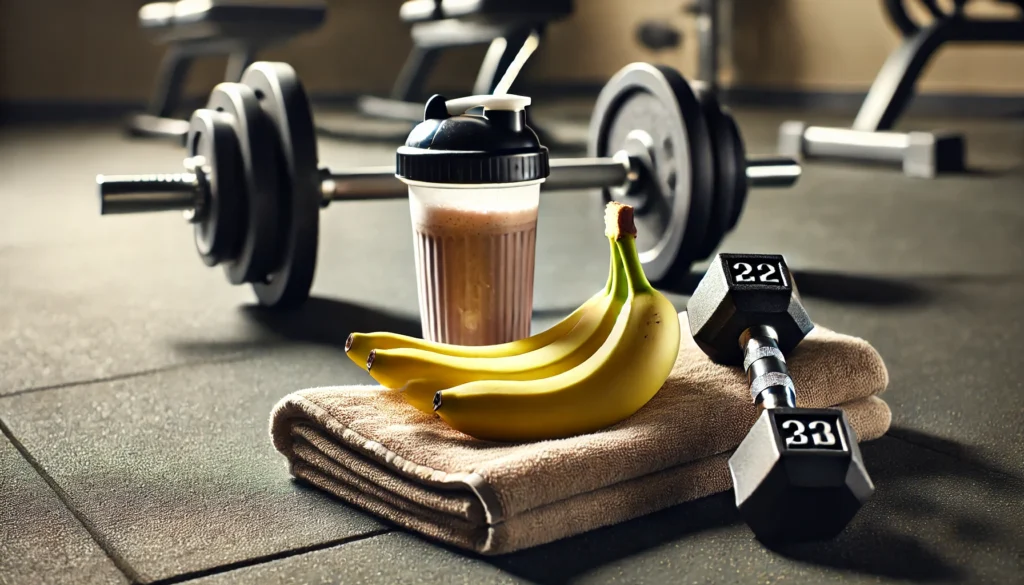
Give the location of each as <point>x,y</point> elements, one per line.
<point>365,445</point>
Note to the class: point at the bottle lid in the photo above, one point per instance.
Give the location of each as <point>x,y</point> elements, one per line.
<point>454,147</point>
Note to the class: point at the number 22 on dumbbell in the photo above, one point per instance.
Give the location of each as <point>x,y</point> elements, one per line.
<point>768,273</point>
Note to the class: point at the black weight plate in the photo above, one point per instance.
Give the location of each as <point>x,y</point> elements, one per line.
<point>654,105</point>
<point>285,104</point>
<point>212,137</point>
<point>259,234</point>
<point>739,153</point>
<point>730,170</point>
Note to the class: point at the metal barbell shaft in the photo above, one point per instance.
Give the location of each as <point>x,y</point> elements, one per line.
<point>150,193</point>
<point>566,174</point>
<point>772,171</point>
<point>381,183</point>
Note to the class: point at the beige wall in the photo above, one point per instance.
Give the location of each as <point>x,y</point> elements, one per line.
<point>92,50</point>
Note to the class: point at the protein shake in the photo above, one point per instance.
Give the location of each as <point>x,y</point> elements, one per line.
<point>474,189</point>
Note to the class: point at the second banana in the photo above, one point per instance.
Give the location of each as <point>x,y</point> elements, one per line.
<point>593,369</point>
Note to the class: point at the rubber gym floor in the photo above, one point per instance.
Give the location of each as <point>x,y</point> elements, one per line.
<point>137,383</point>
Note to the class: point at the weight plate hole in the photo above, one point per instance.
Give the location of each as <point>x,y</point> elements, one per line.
<point>671,180</point>
<point>260,95</point>
<point>668,147</point>
<point>220,108</point>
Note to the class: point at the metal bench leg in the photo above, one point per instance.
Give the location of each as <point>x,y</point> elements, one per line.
<point>238,61</point>
<point>170,79</point>
<point>158,119</point>
<point>707,35</point>
<point>413,76</point>
<point>893,88</point>
<point>499,56</point>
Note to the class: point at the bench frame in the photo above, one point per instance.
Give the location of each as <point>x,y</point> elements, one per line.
<point>429,38</point>
<point>870,138</point>
<point>158,119</point>
<point>241,39</point>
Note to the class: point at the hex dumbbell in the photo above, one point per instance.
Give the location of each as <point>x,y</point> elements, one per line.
<point>798,475</point>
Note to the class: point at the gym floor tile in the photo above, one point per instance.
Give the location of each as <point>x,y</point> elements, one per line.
<point>175,470</point>
<point>89,297</point>
<point>948,344</point>
<point>933,518</point>
<point>40,540</point>
<point>396,558</point>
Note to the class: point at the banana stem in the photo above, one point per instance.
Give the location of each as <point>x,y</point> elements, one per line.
<point>634,268</point>
<point>620,282</point>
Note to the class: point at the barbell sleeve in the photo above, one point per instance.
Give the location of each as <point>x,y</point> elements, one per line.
<point>147,193</point>
<point>772,171</point>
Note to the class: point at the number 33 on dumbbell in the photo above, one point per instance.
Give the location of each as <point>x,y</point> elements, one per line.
<point>253,186</point>
<point>798,475</point>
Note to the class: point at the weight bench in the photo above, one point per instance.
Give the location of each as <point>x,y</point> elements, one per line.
<point>510,26</point>
<point>196,28</point>
<point>921,154</point>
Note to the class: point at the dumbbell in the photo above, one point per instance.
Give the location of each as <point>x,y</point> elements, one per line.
<point>798,475</point>
<point>253,186</point>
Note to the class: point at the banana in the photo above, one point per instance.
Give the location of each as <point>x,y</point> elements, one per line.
<point>612,384</point>
<point>418,375</point>
<point>359,345</point>
<point>394,368</point>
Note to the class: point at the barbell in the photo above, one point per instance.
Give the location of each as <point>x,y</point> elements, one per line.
<point>253,188</point>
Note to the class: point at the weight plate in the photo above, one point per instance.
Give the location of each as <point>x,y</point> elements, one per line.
<point>212,137</point>
<point>653,105</point>
<point>730,170</point>
<point>285,104</point>
<point>258,242</point>
<point>739,152</point>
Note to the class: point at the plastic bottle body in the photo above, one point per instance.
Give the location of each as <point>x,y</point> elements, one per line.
<point>475,248</point>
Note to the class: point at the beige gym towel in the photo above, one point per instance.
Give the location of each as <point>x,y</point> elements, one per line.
<point>365,445</point>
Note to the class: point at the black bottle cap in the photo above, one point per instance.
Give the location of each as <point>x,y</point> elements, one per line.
<point>495,147</point>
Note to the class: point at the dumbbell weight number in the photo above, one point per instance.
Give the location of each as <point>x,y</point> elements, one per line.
<point>766,273</point>
<point>823,433</point>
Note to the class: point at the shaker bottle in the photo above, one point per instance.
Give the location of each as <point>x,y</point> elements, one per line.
<point>474,189</point>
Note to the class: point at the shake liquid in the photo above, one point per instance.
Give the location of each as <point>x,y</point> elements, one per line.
<point>475,253</point>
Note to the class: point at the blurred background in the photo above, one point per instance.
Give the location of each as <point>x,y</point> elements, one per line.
<point>77,58</point>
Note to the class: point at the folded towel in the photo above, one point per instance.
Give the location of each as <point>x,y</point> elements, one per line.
<point>367,446</point>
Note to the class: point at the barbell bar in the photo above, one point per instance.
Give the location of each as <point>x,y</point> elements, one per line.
<point>253,186</point>
<point>124,194</point>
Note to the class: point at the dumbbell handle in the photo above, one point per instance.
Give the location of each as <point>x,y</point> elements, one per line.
<point>770,383</point>
<point>145,193</point>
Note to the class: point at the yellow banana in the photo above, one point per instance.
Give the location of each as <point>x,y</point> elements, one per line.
<point>394,368</point>
<point>418,375</point>
<point>420,394</point>
<point>616,381</point>
<point>359,345</point>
